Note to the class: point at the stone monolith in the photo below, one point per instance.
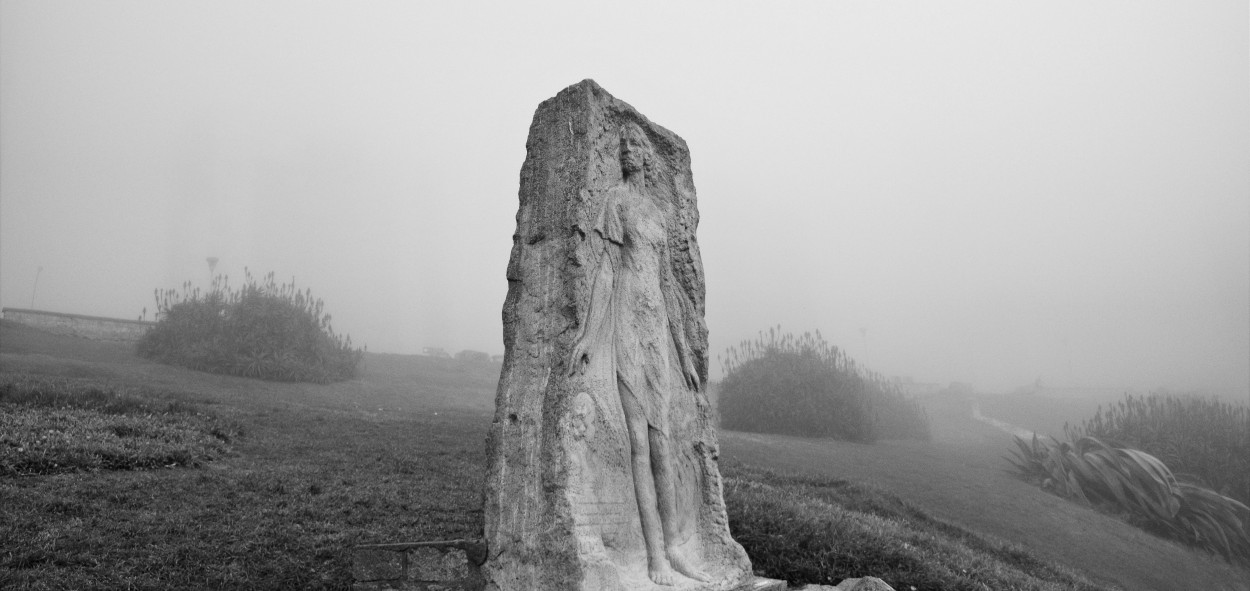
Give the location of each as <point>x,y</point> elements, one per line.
<point>602,455</point>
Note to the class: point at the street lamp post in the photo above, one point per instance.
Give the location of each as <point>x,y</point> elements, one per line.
<point>212,267</point>
<point>35,289</point>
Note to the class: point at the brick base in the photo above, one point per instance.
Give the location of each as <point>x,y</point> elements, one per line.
<point>451,565</point>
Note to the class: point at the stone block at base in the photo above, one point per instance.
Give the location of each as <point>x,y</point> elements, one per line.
<point>450,565</point>
<point>862,584</point>
<point>762,584</point>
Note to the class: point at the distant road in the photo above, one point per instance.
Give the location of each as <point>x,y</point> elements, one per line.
<point>962,477</point>
<point>1003,426</point>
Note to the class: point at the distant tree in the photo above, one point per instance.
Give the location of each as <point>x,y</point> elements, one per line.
<point>779,383</point>
<point>473,356</point>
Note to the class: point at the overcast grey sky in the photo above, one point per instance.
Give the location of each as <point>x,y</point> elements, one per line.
<point>995,192</point>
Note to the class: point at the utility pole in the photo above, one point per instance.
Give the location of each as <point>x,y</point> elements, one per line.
<point>1067,353</point>
<point>212,266</point>
<point>35,289</point>
<point>863,333</point>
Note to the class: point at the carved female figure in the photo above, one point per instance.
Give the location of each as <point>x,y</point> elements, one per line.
<point>633,317</point>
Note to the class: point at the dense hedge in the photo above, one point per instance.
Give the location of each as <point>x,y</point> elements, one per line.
<point>261,330</point>
<point>1201,439</point>
<point>779,383</point>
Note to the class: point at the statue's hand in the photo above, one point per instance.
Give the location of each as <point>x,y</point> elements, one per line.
<point>692,374</point>
<point>579,358</point>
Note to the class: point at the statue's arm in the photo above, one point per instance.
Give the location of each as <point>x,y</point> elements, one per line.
<point>599,306</point>
<point>674,299</point>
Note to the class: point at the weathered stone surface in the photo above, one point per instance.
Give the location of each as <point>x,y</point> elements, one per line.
<point>759,584</point>
<point>442,565</point>
<point>603,454</point>
<point>376,564</point>
<point>864,584</point>
<point>437,564</point>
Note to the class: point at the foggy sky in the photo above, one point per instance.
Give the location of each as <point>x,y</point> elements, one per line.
<point>988,192</point>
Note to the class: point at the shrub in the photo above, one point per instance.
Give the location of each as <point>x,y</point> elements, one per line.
<point>803,386</point>
<point>469,356</point>
<point>1202,439</point>
<point>1130,480</point>
<point>261,330</point>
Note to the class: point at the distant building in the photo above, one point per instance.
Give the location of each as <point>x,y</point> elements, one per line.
<point>1041,390</point>
<point>913,389</point>
<point>436,352</point>
<point>79,325</point>
<point>960,389</point>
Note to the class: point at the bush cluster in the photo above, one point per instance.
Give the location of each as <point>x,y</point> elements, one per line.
<point>262,330</point>
<point>779,383</point>
<point>1129,480</point>
<point>1201,439</point>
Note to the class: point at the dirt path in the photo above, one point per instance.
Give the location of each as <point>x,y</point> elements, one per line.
<point>961,477</point>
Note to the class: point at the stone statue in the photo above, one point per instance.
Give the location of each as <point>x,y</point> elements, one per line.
<point>602,457</point>
<point>629,321</point>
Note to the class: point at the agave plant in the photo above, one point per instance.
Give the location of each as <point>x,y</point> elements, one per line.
<point>1206,439</point>
<point>1134,481</point>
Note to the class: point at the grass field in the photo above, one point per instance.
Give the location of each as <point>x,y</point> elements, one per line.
<point>398,455</point>
<point>962,478</point>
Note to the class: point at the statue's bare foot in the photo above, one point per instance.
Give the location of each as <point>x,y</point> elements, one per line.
<point>660,572</point>
<point>684,567</point>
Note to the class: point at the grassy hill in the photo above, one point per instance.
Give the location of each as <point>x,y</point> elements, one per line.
<point>962,478</point>
<point>398,455</point>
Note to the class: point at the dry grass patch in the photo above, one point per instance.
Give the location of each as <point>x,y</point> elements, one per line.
<point>55,425</point>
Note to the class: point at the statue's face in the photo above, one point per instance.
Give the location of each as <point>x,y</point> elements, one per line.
<point>633,150</point>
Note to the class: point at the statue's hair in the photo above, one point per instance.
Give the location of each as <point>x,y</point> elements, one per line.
<point>648,157</point>
<point>684,299</point>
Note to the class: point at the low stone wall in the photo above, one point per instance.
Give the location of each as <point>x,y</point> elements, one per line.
<point>89,327</point>
<point>452,565</point>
